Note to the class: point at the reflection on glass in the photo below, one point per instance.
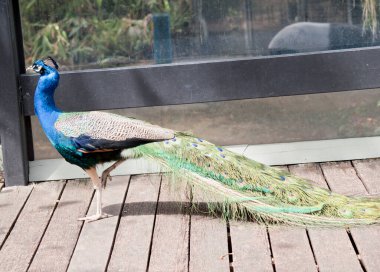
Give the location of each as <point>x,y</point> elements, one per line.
<point>260,121</point>
<point>108,33</point>
<point>309,37</point>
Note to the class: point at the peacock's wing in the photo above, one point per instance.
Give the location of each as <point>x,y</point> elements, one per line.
<point>99,131</point>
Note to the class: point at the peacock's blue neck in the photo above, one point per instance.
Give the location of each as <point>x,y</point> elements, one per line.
<point>44,105</point>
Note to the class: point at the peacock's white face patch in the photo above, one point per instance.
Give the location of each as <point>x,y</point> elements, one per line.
<point>36,67</point>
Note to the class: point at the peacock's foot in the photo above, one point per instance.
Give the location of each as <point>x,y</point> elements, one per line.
<point>94,217</point>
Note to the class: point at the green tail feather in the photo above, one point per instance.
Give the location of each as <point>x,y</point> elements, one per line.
<point>254,190</point>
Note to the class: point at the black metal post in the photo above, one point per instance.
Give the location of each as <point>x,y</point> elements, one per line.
<point>12,122</point>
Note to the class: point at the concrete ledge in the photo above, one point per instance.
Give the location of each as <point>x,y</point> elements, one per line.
<point>272,154</point>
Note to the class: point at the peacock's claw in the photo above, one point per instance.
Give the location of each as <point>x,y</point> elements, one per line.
<point>94,217</point>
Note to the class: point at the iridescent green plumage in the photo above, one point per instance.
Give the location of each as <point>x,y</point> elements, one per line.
<point>253,190</point>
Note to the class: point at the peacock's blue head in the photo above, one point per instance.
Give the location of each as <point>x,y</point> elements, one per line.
<point>42,66</point>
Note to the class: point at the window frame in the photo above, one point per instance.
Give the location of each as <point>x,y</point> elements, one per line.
<point>211,81</point>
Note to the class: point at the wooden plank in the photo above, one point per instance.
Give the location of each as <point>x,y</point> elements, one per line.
<point>170,246</point>
<point>12,200</point>
<point>310,171</point>
<point>58,243</point>
<point>96,238</point>
<point>29,228</point>
<point>133,239</point>
<point>332,247</point>
<point>333,250</point>
<point>250,247</point>
<point>368,171</point>
<point>367,239</point>
<point>208,240</point>
<point>291,249</point>
<point>342,178</point>
<point>208,244</point>
<point>291,241</point>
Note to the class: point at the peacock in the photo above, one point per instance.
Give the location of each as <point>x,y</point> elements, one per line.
<point>247,189</point>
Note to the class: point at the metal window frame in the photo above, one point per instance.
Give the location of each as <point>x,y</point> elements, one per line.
<point>198,82</point>
<point>168,84</point>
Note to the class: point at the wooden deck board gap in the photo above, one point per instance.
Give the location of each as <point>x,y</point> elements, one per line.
<point>154,225</point>
<point>80,231</point>
<point>356,249</point>
<point>359,177</point>
<point>229,243</point>
<point>324,176</point>
<point>271,250</point>
<point>118,223</point>
<point>347,229</point>
<point>312,249</point>
<point>15,220</point>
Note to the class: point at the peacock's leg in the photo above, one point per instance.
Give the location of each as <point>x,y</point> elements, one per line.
<point>106,173</point>
<point>97,185</point>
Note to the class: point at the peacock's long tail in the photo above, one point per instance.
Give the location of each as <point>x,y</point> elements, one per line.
<point>253,190</point>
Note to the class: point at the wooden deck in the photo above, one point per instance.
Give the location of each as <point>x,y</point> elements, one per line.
<point>149,230</point>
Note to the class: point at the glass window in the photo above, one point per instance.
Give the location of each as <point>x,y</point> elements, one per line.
<point>108,33</point>
<point>260,121</point>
